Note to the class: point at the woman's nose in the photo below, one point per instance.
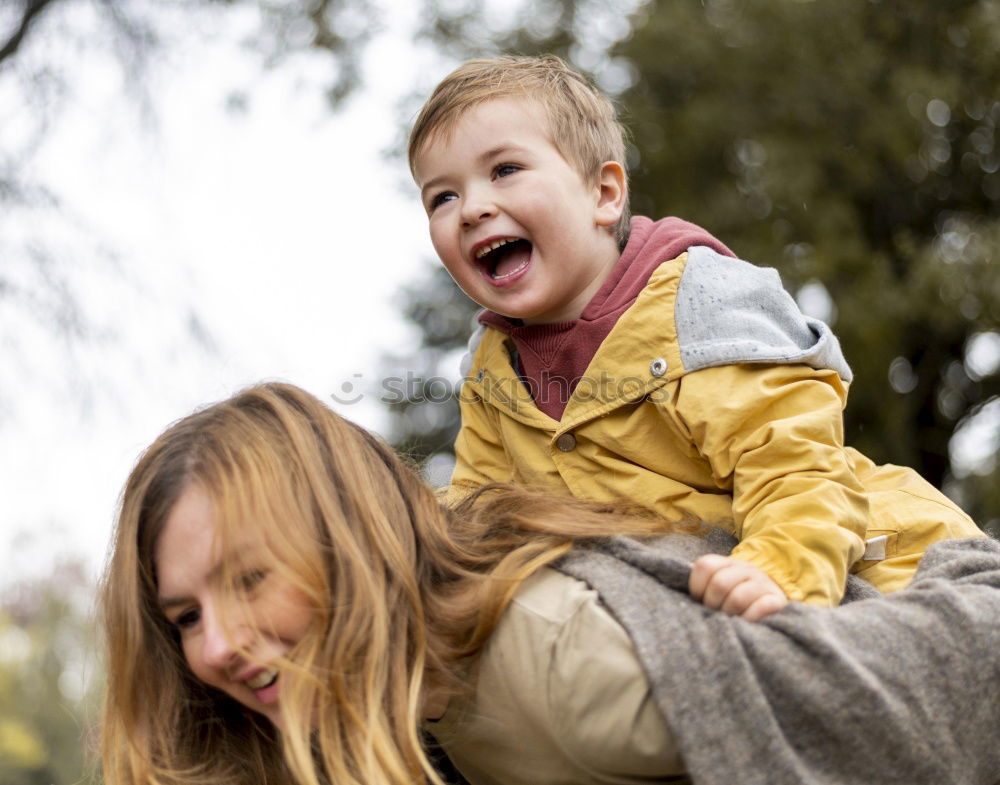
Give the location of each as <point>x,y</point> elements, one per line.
<point>221,642</point>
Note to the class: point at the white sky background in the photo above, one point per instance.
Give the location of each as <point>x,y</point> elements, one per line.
<point>281,228</point>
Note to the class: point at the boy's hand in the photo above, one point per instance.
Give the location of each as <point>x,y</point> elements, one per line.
<point>735,587</point>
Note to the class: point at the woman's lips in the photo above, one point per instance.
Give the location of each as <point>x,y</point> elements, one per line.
<point>268,691</point>
<point>264,685</point>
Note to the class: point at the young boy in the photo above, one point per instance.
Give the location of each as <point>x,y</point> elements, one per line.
<point>641,361</point>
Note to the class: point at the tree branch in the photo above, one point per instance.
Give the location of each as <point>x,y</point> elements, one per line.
<point>31,10</point>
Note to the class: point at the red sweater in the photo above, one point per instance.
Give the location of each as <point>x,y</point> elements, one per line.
<point>553,357</point>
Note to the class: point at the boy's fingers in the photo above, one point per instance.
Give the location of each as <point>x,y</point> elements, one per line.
<point>702,571</point>
<point>763,606</point>
<point>742,596</point>
<point>734,587</point>
<point>722,576</point>
<point>726,583</point>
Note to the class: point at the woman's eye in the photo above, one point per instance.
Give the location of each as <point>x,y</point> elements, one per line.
<point>187,619</point>
<point>506,169</point>
<point>251,578</point>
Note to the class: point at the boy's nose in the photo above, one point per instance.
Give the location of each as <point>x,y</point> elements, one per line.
<point>476,211</point>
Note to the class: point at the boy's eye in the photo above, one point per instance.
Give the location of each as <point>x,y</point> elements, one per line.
<point>505,169</point>
<point>438,199</point>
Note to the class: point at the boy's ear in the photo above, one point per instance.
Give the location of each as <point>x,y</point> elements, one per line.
<point>610,193</point>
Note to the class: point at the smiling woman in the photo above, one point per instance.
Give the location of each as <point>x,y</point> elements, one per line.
<point>286,599</point>
<point>234,655</point>
<point>287,602</point>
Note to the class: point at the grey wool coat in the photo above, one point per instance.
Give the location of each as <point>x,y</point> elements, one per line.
<point>902,689</point>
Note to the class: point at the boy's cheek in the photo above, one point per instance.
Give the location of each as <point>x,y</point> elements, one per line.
<point>447,252</point>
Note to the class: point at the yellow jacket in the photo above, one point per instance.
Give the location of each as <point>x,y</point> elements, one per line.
<point>703,401</point>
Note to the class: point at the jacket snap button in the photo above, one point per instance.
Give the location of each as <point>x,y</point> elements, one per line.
<point>566,442</point>
<point>480,375</point>
<point>658,367</point>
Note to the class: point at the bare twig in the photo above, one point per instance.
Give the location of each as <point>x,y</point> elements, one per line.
<point>31,11</point>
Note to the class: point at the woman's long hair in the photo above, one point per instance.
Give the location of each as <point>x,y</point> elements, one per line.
<point>404,592</point>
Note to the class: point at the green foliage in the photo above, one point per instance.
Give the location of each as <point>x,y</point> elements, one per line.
<point>47,684</point>
<point>849,143</point>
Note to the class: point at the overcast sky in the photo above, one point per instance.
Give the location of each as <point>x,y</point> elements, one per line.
<point>278,234</point>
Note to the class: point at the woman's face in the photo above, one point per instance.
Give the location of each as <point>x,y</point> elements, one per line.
<point>264,615</point>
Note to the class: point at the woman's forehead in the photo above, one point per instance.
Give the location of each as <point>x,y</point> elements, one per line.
<point>185,547</point>
<point>192,548</point>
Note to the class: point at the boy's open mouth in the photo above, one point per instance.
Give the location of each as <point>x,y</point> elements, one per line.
<point>504,257</point>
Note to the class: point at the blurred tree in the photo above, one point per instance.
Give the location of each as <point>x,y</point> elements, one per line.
<point>852,145</point>
<point>423,411</point>
<point>48,683</point>
<point>45,45</point>
<point>341,28</point>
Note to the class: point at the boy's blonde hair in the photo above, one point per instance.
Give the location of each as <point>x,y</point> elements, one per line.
<point>582,121</point>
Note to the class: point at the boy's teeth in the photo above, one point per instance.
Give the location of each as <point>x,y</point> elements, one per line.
<point>262,679</point>
<point>493,246</point>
